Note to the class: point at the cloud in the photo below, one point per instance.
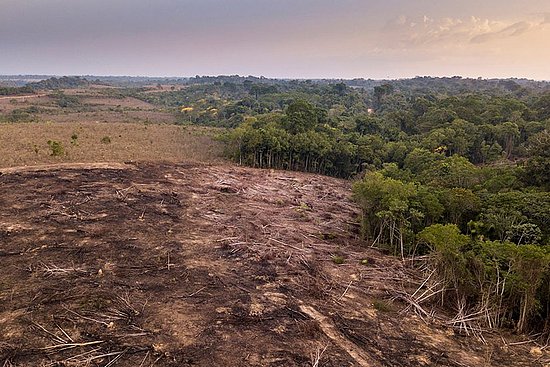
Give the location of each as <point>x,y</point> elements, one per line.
<point>425,32</point>
<point>417,32</point>
<point>514,30</point>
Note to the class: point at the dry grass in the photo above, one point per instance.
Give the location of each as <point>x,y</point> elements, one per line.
<point>27,143</point>
<point>10,103</point>
<point>94,106</point>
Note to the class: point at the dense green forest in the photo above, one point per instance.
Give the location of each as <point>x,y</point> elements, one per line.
<point>451,171</point>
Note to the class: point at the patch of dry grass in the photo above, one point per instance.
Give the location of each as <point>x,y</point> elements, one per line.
<point>93,106</point>
<point>27,143</point>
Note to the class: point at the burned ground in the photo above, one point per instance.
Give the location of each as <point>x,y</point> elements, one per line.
<point>205,265</point>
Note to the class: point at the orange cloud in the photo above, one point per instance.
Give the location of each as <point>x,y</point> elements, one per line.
<point>424,32</point>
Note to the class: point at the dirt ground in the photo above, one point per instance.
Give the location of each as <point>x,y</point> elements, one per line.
<point>206,265</point>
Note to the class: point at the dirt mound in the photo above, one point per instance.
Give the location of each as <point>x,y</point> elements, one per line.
<point>197,265</point>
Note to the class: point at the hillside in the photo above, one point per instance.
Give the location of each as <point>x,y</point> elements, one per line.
<point>208,265</point>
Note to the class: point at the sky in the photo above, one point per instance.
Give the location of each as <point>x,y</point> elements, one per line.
<point>277,38</point>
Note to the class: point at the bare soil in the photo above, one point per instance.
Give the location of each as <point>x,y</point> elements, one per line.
<point>206,265</point>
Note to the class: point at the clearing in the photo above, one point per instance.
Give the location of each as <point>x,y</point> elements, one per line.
<point>206,265</point>
<point>26,144</point>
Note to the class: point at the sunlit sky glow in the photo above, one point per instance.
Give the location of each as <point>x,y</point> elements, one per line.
<point>277,38</point>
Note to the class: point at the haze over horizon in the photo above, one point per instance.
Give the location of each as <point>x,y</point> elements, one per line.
<point>285,39</point>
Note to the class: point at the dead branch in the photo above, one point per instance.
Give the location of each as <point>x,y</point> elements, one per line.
<point>65,346</point>
<point>285,244</point>
<point>346,291</point>
<point>196,292</point>
<point>53,270</point>
<point>316,357</point>
<point>86,318</point>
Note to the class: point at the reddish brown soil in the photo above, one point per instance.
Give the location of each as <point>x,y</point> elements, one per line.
<point>198,265</point>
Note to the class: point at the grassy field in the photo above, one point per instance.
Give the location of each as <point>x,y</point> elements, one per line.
<point>81,105</point>
<point>95,124</point>
<point>27,143</point>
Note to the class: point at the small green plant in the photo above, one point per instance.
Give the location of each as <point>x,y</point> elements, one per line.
<point>381,305</point>
<point>106,140</point>
<point>302,209</point>
<point>328,236</point>
<point>35,149</point>
<point>338,259</point>
<point>74,139</point>
<point>56,147</point>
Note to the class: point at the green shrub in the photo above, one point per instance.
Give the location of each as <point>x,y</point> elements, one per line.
<point>56,147</point>
<point>506,282</point>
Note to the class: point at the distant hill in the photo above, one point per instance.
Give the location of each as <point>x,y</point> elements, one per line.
<point>421,84</point>
<point>454,85</point>
<point>60,83</point>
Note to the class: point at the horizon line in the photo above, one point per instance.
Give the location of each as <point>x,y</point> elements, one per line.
<point>278,77</point>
